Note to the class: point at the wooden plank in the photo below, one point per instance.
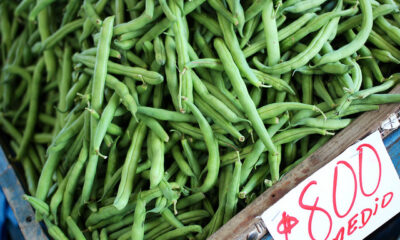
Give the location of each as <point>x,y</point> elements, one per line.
<point>13,191</point>
<point>247,225</point>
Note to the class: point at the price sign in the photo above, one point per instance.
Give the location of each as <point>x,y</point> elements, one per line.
<point>348,198</point>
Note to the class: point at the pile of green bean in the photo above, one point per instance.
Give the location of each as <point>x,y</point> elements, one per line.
<point>156,119</point>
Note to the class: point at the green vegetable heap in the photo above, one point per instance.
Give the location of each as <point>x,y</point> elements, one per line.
<point>161,119</point>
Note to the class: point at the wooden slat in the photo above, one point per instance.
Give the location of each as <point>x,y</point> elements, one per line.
<point>245,221</point>
<point>13,191</point>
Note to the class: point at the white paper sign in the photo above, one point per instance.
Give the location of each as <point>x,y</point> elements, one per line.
<point>348,198</point>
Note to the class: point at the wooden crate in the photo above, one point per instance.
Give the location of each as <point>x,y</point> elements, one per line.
<point>13,191</point>
<point>247,225</point>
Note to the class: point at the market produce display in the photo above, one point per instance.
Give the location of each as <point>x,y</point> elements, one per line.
<point>162,119</point>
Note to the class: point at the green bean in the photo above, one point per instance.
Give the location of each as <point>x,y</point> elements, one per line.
<point>315,24</point>
<point>355,20</point>
<point>249,29</point>
<point>135,59</point>
<point>42,138</point>
<point>65,81</point>
<point>276,109</point>
<point>88,27</point>
<point>57,198</point>
<point>226,98</point>
<point>125,45</point>
<point>165,115</point>
<point>274,162</point>
<point>270,30</point>
<point>122,91</point>
<point>95,235</point>
<point>290,151</point>
<point>231,198</point>
<point>73,181</point>
<point>5,28</point>
<point>70,11</point>
<point>33,109</point>
<point>244,98</point>
<point>211,63</point>
<point>168,192</point>
<point>186,217</point>
<point>139,217</point>
<point>392,31</point>
<point>168,216</point>
<point>381,43</point>
<point>72,92</point>
<point>384,56</point>
<point>136,73</point>
<point>137,23</point>
<point>105,121</point>
<point>100,66</point>
<point>159,51</point>
<point>130,165</point>
<point>54,231</point>
<point>378,99</point>
<point>220,9</point>
<point>179,159</point>
<point>60,34</point>
<point>76,232</point>
<point>99,79</point>
<point>39,6</point>
<point>235,52</point>
<point>330,124</point>
<point>60,141</point>
<point>212,146</point>
<point>155,152</point>
<point>207,22</point>
<point>352,109</point>
<point>295,26</point>
<point>303,6</point>
<point>202,90</point>
<point>306,87</point>
<point>218,119</point>
<point>358,42</point>
<point>367,77</point>
<point>170,70</point>
<point>49,57</point>
<point>254,9</point>
<point>22,6</point>
<point>339,90</point>
<point>321,91</point>
<point>196,134</point>
<point>392,80</point>
<point>155,126</point>
<point>296,134</point>
<point>238,11</point>
<point>183,231</point>
<point>38,205</point>
<point>250,160</point>
<point>193,163</point>
<point>255,179</point>
<point>185,76</point>
<point>166,9</point>
<point>365,52</point>
<point>103,234</point>
<point>304,57</point>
